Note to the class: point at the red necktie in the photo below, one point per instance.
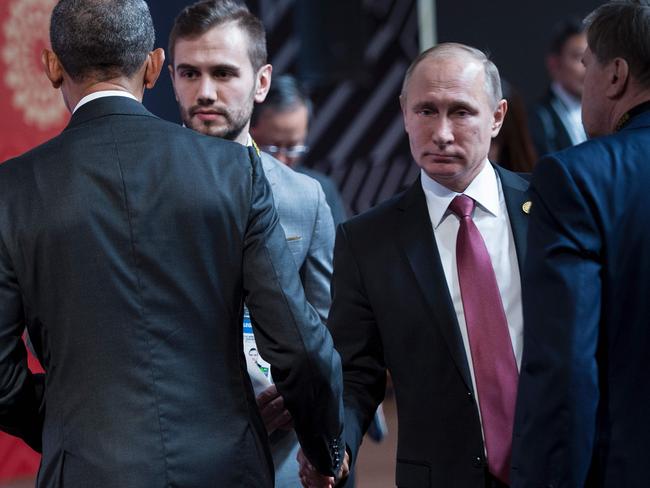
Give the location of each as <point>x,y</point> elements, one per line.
<point>495,368</point>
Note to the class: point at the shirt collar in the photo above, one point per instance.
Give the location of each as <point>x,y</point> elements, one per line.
<point>102,94</point>
<point>483,189</point>
<point>570,102</point>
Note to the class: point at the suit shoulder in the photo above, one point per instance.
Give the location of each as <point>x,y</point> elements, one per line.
<point>285,174</point>
<point>325,181</point>
<point>593,154</point>
<point>23,163</point>
<point>211,143</point>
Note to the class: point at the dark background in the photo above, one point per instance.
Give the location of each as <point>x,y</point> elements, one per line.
<point>352,55</point>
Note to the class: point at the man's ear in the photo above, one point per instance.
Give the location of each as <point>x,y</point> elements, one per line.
<point>155,63</point>
<point>53,68</point>
<point>263,82</point>
<point>618,76</point>
<point>172,73</point>
<point>499,116</point>
<point>403,108</point>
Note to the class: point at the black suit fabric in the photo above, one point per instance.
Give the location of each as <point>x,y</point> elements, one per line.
<point>392,310</point>
<point>127,245</point>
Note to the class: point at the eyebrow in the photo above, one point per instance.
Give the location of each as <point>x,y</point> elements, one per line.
<point>226,66</point>
<point>424,105</point>
<point>454,105</point>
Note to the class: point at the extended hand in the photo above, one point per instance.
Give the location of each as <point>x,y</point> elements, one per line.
<point>271,406</point>
<point>310,478</point>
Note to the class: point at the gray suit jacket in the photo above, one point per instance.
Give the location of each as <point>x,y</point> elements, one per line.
<point>307,222</point>
<point>309,229</point>
<point>127,246</point>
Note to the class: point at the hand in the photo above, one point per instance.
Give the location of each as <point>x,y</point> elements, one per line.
<point>271,406</point>
<point>310,478</point>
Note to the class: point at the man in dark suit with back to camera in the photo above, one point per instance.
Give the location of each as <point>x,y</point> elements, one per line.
<point>127,246</point>
<point>426,285</point>
<point>582,410</point>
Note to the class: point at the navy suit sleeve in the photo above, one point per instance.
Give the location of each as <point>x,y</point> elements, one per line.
<point>289,333</point>
<point>20,391</point>
<point>356,336</point>
<point>558,389</point>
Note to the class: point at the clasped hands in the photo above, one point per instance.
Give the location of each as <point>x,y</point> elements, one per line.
<point>276,416</point>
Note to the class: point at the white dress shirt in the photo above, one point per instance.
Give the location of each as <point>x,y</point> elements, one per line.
<point>491,219</point>
<point>101,94</point>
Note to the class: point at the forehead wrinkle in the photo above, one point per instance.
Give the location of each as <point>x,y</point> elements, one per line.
<point>449,81</point>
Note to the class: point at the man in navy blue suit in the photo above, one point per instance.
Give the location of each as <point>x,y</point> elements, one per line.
<point>582,411</point>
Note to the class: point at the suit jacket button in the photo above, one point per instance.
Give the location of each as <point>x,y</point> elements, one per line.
<point>470,397</point>
<point>477,462</point>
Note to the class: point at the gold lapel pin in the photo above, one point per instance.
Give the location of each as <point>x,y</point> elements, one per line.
<point>526,206</point>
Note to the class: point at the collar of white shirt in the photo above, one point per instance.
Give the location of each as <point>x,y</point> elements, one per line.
<point>483,189</point>
<point>102,94</point>
<point>570,102</point>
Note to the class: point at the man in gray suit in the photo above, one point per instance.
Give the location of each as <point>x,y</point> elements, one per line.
<point>218,67</point>
<point>127,246</point>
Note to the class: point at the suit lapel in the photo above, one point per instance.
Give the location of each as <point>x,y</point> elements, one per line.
<point>417,240</point>
<point>272,178</point>
<point>515,190</point>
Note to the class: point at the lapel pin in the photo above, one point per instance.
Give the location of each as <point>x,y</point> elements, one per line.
<point>526,207</point>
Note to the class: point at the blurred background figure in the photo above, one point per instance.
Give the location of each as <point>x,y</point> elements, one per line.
<point>556,120</point>
<point>513,148</point>
<point>280,125</point>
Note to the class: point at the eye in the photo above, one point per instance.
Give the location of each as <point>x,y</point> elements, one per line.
<point>462,113</point>
<point>189,74</point>
<point>223,74</point>
<point>425,112</point>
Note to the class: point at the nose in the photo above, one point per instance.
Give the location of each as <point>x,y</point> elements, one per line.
<point>442,133</point>
<point>207,93</point>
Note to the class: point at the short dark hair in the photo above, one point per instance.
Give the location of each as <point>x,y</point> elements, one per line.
<point>195,20</point>
<point>621,29</point>
<point>492,78</point>
<point>285,94</point>
<point>562,32</point>
<point>101,38</point>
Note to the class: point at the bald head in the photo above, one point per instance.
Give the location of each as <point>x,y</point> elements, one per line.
<point>460,53</point>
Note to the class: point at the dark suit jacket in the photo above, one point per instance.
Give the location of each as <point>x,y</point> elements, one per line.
<point>126,246</point>
<point>392,310</point>
<point>546,127</point>
<point>584,394</point>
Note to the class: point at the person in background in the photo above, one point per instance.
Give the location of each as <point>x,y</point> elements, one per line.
<point>426,285</point>
<point>582,411</point>
<point>127,246</point>
<point>555,121</point>
<point>280,125</point>
<point>218,67</point>
<point>513,147</point>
